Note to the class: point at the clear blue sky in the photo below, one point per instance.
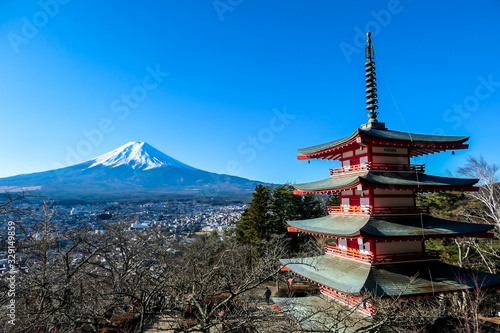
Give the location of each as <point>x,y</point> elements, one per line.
<point>235,86</point>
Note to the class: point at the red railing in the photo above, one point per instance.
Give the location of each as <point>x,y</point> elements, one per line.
<point>420,168</point>
<point>355,302</point>
<point>365,210</point>
<point>348,253</point>
<point>348,210</point>
<point>349,169</point>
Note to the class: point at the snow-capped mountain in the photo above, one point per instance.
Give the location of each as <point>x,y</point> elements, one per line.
<point>134,170</point>
<point>137,155</point>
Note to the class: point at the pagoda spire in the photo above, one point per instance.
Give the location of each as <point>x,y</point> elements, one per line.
<point>371,88</point>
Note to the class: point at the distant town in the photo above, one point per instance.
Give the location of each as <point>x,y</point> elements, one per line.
<point>181,219</point>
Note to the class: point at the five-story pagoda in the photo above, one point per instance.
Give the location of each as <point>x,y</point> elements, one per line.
<point>376,237</point>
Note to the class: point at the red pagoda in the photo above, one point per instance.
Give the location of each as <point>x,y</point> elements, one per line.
<point>375,239</point>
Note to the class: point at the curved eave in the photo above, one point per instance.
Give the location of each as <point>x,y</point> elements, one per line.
<point>418,144</point>
<point>414,137</point>
<point>405,279</point>
<point>329,151</point>
<point>417,182</point>
<point>387,180</point>
<point>328,145</point>
<point>328,185</point>
<point>332,272</point>
<point>408,226</point>
<point>428,278</point>
<point>331,225</point>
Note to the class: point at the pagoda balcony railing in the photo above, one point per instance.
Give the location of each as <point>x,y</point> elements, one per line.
<point>368,210</point>
<point>358,168</point>
<point>355,254</point>
<point>348,253</point>
<point>350,169</point>
<point>354,302</point>
<point>354,210</point>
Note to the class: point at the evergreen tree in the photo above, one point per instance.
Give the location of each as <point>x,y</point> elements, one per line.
<point>254,222</point>
<point>284,206</point>
<point>312,206</point>
<point>270,210</point>
<point>333,200</point>
<point>444,204</point>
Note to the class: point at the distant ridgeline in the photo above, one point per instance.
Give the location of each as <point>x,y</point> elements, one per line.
<point>134,171</point>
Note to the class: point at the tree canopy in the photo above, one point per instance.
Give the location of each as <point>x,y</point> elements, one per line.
<point>270,209</point>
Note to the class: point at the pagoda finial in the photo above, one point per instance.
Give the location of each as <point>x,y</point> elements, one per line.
<point>371,87</point>
<point>369,47</point>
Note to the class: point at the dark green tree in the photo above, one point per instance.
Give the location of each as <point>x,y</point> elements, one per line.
<point>444,204</point>
<point>270,210</point>
<point>254,222</point>
<point>312,206</point>
<point>284,206</point>
<point>332,200</point>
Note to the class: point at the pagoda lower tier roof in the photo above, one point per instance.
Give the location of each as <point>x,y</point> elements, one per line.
<point>320,314</point>
<point>387,180</point>
<point>422,143</point>
<point>430,277</point>
<point>388,226</point>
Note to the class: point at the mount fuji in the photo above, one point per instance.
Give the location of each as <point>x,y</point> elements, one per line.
<point>137,155</point>
<point>135,170</point>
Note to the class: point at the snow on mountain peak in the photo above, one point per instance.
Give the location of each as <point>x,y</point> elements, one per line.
<point>137,155</point>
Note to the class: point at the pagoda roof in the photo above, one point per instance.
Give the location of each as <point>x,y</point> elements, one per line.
<point>423,143</point>
<point>389,279</point>
<point>320,314</point>
<point>393,180</point>
<point>388,226</point>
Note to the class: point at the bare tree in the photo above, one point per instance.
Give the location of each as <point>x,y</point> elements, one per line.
<point>50,273</point>
<point>489,190</point>
<point>486,212</point>
<point>133,273</point>
<point>83,281</point>
<point>214,279</point>
<point>9,201</point>
<point>466,309</point>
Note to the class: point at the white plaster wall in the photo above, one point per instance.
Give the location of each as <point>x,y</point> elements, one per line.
<point>343,243</point>
<point>360,152</point>
<point>348,154</point>
<point>358,192</point>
